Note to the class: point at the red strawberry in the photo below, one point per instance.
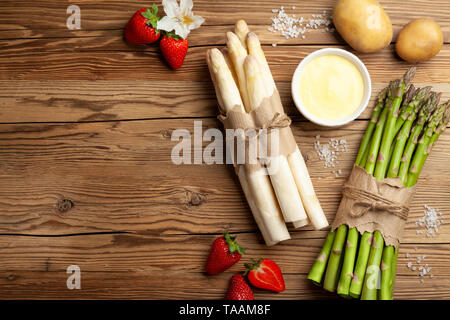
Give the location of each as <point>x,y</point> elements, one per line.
<point>239,289</point>
<point>223,254</point>
<point>265,274</point>
<point>174,50</point>
<point>141,29</point>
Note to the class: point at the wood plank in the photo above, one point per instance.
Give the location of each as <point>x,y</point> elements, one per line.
<point>111,263</point>
<point>119,177</point>
<point>180,285</point>
<point>25,16</point>
<point>35,65</point>
<point>180,253</point>
<point>77,100</point>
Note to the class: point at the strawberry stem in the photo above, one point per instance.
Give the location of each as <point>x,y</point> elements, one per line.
<point>233,245</point>
<point>152,16</point>
<point>172,35</point>
<point>252,266</point>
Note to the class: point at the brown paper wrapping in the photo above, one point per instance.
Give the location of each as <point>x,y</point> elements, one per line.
<point>369,204</point>
<point>269,115</point>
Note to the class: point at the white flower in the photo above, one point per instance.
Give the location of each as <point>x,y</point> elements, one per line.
<point>179,19</point>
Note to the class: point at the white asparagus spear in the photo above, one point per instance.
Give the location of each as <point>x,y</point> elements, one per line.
<point>254,49</point>
<point>306,189</point>
<point>272,226</point>
<point>226,55</point>
<point>241,30</point>
<point>214,80</point>
<point>296,162</point>
<point>282,180</point>
<point>257,188</point>
<point>237,54</point>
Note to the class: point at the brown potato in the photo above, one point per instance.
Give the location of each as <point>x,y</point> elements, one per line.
<point>419,40</point>
<point>363,24</point>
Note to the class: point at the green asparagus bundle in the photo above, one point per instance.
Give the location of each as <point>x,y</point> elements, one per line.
<point>405,125</point>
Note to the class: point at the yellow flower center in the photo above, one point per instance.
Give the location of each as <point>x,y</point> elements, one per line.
<point>187,20</point>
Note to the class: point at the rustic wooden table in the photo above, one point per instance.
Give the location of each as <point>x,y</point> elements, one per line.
<point>86,176</point>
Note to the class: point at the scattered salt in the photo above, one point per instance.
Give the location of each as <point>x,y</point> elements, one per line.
<point>329,152</point>
<point>424,269</point>
<point>292,27</point>
<point>431,220</point>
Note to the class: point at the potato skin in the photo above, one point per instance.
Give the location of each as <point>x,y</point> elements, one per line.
<point>419,40</point>
<point>363,24</point>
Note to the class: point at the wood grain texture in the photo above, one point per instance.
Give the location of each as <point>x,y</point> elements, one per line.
<point>179,253</point>
<point>78,101</point>
<point>120,177</point>
<point>148,65</point>
<point>85,171</point>
<point>181,285</point>
<point>111,264</point>
<point>25,16</point>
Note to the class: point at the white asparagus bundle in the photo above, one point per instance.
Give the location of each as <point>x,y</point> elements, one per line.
<point>252,87</point>
<point>256,185</point>
<point>295,159</point>
<point>242,77</point>
<point>282,180</point>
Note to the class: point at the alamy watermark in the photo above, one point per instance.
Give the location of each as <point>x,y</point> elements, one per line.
<point>74,280</point>
<point>74,20</point>
<point>249,146</point>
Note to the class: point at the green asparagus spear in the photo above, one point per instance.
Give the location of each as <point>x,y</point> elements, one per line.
<point>376,137</point>
<point>361,264</point>
<point>332,273</point>
<point>405,110</point>
<point>371,127</point>
<point>393,273</point>
<point>369,291</point>
<point>386,273</point>
<point>318,268</point>
<point>349,262</point>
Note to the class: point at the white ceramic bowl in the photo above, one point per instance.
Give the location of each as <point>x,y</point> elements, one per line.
<point>338,52</point>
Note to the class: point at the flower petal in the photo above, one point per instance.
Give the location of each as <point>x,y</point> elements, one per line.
<point>186,5</point>
<point>197,22</point>
<point>182,30</point>
<point>167,24</point>
<point>170,8</point>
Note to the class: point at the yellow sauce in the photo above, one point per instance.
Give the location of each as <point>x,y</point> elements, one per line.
<point>331,88</point>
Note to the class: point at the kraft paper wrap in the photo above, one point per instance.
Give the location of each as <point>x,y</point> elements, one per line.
<point>369,204</point>
<point>269,115</point>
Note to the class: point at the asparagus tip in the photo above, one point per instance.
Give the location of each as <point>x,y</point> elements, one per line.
<point>241,26</point>
<point>409,75</point>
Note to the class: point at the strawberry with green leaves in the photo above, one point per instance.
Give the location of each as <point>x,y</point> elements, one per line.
<point>174,49</point>
<point>141,28</point>
<point>265,274</point>
<point>224,253</point>
<point>239,289</point>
